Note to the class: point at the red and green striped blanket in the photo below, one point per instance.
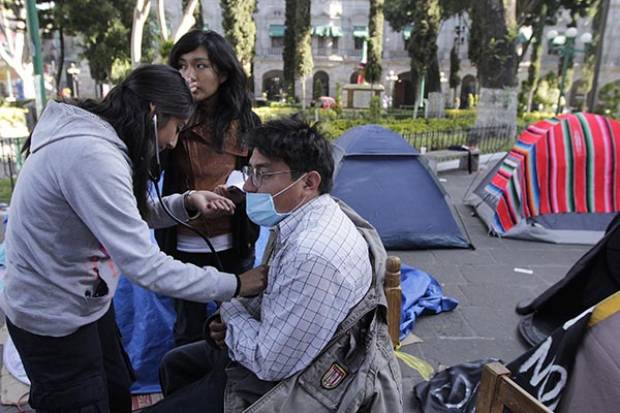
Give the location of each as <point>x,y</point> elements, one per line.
<point>560,165</point>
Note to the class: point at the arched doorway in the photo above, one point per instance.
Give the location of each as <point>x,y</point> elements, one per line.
<point>320,84</point>
<point>403,94</point>
<point>272,84</point>
<point>468,87</point>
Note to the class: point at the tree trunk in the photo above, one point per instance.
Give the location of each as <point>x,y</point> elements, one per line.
<point>375,42</point>
<point>188,20</point>
<point>303,93</point>
<point>497,68</point>
<point>240,29</point>
<point>303,31</point>
<point>290,46</point>
<point>533,72</point>
<point>161,17</point>
<point>140,15</point>
<point>594,61</point>
<point>61,60</point>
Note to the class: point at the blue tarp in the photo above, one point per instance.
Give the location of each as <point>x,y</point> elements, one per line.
<point>422,295</point>
<point>145,320</point>
<point>385,180</point>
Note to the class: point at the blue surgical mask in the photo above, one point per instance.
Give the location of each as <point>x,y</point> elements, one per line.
<point>262,210</point>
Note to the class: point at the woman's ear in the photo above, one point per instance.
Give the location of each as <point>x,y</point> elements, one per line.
<point>152,108</point>
<point>222,77</point>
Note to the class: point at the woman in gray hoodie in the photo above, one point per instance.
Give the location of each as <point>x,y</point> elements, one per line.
<point>80,217</point>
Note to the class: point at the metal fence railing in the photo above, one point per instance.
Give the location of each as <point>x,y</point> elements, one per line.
<point>11,158</point>
<point>488,139</point>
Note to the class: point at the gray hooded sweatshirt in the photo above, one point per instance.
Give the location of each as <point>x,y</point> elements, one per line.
<point>74,228</point>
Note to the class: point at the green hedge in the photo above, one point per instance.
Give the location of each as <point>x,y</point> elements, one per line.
<point>12,117</point>
<point>333,125</point>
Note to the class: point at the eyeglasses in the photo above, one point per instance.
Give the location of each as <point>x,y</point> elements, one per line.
<point>256,177</point>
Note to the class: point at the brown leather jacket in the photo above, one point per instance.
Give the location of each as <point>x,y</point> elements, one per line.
<point>198,163</point>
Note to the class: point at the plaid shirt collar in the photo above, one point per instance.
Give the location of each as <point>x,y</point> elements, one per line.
<point>289,224</point>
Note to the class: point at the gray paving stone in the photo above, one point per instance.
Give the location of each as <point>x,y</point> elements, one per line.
<point>460,257</point>
<point>496,296</point>
<point>490,322</point>
<point>496,273</point>
<point>444,273</point>
<point>539,256</point>
<point>415,258</point>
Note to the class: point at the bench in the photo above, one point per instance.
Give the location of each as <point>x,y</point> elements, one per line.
<point>498,392</point>
<point>468,160</point>
<point>391,286</point>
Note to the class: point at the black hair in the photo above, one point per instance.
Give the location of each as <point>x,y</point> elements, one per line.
<point>234,101</point>
<point>298,145</point>
<point>127,107</point>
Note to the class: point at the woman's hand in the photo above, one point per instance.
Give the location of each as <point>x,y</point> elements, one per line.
<point>209,204</point>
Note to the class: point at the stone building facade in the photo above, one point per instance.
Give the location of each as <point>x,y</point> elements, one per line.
<point>337,44</point>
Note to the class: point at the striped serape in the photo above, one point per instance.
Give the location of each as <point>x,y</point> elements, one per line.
<point>565,164</point>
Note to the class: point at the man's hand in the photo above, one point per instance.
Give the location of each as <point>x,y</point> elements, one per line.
<point>217,332</point>
<point>253,281</point>
<point>209,204</point>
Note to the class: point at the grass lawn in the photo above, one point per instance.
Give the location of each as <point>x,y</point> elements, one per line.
<point>5,190</point>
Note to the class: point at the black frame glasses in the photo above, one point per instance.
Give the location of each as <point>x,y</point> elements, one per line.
<point>256,177</point>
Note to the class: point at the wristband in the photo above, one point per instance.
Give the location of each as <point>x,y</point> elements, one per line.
<point>185,196</point>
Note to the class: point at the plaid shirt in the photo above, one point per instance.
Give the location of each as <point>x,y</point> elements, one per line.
<point>320,269</point>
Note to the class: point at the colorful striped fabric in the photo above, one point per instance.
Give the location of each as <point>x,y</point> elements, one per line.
<point>560,165</point>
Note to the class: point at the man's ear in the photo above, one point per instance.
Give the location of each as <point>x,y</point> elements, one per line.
<point>312,181</point>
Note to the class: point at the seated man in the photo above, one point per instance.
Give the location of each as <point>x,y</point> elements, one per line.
<point>320,286</point>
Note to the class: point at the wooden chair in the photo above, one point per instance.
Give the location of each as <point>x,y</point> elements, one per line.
<point>498,392</point>
<point>391,286</point>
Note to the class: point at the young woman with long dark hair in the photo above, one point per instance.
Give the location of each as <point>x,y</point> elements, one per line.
<point>210,149</point>
<point>79,218</point>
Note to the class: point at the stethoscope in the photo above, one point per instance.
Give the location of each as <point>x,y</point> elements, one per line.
<point>155,177</point>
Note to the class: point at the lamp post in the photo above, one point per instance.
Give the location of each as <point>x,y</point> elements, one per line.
<point>391,77</point>
<point>74,71</point>
<point>564,44</point>
<point>32,19</point>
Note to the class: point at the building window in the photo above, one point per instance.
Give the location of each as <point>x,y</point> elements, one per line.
<point>360,34</point>
<point>359,43</point>
<point>407,34</point>
<point>277,42</point>
<point>335,45</point>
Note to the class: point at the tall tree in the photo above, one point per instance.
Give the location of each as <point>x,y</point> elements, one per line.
<point>375,41</point>
<point>303,37</point>
<point>191,9</point>
<point>425,16</point>
<point>422,45</point>
<point>594,54</point>
<point>497,62</point>
<point>290,47</point>
<point>240,29</point>
<point>104,27</point>
<point>539,14</point>
<point>455,66</point>
<point>140,15</point>
<point>528,86</point>
<point>169,35</point>
<point>14,49</point>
